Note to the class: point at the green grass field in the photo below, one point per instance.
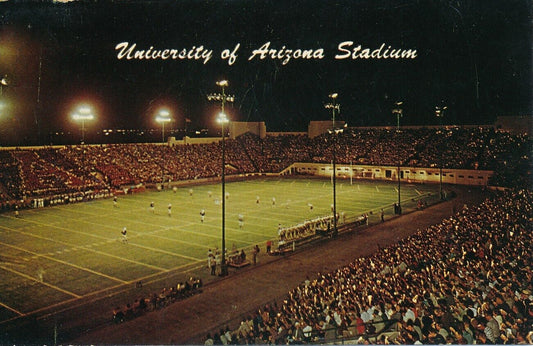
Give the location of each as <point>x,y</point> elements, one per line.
<point>65,253</point>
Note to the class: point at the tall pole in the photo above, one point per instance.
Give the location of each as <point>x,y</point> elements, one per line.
<point>4,82</point>
<point>351,173</point>
<point>223,267</point>
<point>163,116</point>
<point>439,113</point>
<point>334,106</point>
<point>222,119</point>
<point>398,111</point>
<point>82,131</point>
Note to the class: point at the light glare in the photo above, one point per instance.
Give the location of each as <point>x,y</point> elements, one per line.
<point>222,118</point>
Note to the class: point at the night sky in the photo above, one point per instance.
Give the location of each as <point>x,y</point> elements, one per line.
<point>472,56</point>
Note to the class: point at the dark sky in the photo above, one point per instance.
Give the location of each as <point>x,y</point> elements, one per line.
<point>474,56</point>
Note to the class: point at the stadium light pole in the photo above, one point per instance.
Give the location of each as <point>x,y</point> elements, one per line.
<point>4,82</point>
<point>439,113</point>
<point>2,107</point>
<point>222,119</point>
<point>83,114</point>
<point>334,106</point>
<point>397,110</point>
<point>163,117</point>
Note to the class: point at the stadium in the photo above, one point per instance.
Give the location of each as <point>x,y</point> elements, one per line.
<point>263,202</point>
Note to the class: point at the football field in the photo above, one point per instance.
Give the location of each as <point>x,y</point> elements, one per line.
<point>65,253</point>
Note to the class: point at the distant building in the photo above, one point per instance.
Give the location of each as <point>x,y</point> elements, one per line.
<point>316,128</point>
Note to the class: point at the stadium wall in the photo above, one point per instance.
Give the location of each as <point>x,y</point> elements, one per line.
<point>237,128</point>
<point>407,174</point>
<point>279,134</point>
<point>188,140</point>
<point>316,128</point>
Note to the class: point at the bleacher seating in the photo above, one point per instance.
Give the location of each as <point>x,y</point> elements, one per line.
<point>37,173</point>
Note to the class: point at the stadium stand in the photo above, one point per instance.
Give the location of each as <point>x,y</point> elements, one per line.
<point>467,280</point>
<point>47,172</point>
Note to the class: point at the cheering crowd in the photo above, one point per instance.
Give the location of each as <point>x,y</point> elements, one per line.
<point>467,280</point>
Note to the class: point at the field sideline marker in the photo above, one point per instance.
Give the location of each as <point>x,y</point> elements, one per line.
<point>64,262</point>
<point>41,282</point>
<point>75,247</point>
<point>11,309</point>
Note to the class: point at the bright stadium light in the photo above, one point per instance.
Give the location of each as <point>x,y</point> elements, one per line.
<point>398,112</point>
<point>163,117</point>
<point>439,113</point>
<point>222,119</point>
<point>82,114</point>
<point>4,82</point>
<point>222,83</point>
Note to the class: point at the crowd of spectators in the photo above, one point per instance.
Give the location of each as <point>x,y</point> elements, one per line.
<point>275,153</point>
<point>467,280</point>
<point>459,148</point>
<point>37,173</point>
<point>157,301</point>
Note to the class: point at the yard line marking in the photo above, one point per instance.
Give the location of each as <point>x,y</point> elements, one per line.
<point>100,237</point>
<point>54,226</point>
<point>63,262</point>
<point>167,252</point>
<point>419,193</point>
<point>180,228</point>
<point>88,246</point>
<point>97,293</point>
<point>217,237</point>
<point>14,264</point>
<point>11,309</point>
<point>132,244</point>
<point>153,234</point>
<point>78,247</point>
<point>138,234</point>
<point>41,282</point>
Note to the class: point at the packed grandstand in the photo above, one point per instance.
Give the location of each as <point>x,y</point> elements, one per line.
<point>467,280</point>
<point>76,173</point>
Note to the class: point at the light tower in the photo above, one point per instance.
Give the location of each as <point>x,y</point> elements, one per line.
<point>222,119</point>
<point>163,117</point>
<point>439,113</point>
<point>397,110</point>
<point>334,106</point>
<point>82,114</point>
